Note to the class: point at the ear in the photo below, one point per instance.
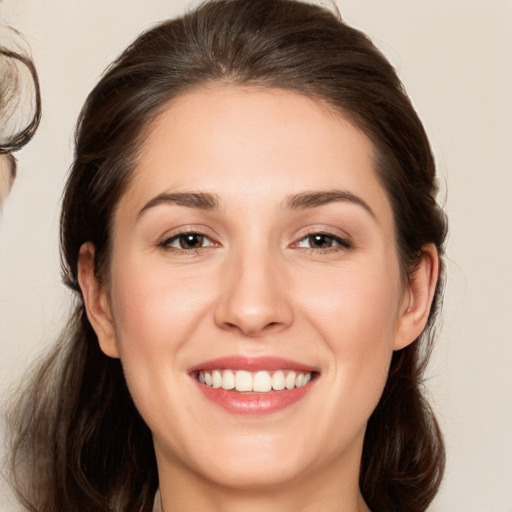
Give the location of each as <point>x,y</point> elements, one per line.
<point>96,301</point>
<point>418,297</point>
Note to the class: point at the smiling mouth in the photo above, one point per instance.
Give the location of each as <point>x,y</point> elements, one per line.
<point>261,381</point>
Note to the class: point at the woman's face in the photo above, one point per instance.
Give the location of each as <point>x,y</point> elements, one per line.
<point>254,247</point>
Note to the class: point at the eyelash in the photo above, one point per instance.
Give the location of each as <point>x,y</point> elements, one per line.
<point>340,243</point>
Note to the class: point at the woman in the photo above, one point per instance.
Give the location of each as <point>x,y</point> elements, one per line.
<point>251,232</point>
<point>12,137</point>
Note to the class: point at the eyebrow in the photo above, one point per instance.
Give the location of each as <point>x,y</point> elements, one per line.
<point>200,200</point>
<point>314,199</point>
<point>301,201</point>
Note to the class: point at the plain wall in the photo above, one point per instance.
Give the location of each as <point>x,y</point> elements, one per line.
<point>455,58</point>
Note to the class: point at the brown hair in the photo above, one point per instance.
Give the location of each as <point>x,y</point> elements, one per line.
<point>81,444</point>
<point>9,98</point>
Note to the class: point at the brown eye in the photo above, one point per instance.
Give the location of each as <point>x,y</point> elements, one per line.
<point>191,241</point>
<point>322,241</point>
<point>187,242</point>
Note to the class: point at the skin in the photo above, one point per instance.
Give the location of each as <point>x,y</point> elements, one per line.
<point>5,178</point>
<point>258,286</point>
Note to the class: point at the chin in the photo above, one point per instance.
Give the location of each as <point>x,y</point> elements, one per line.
<point>253,475</point>
<point>247,462</point>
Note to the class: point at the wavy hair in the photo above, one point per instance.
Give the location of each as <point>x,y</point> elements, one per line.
<point>80,443</point>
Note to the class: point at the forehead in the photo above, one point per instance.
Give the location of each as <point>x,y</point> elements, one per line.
<point>243,142</point>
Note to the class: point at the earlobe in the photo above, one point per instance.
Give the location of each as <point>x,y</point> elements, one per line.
<point>418,298</point>
<point>96,301</point>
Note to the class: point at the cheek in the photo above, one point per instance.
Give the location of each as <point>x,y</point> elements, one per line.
<point>153,319</point>
<point>152,307</point>
<point>157,310</point>
<point>357,308</point>
<point>356,314</point>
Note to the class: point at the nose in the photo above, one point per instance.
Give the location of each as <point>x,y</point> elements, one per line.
<point>254,296</point>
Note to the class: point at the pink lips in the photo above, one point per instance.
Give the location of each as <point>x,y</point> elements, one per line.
<point>251,364</point>
<point>252,403</point>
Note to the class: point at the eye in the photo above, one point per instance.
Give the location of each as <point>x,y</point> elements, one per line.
<point>187,241</point>
<point>323,241</point>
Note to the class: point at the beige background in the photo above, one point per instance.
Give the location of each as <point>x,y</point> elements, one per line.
<point>455,58</point>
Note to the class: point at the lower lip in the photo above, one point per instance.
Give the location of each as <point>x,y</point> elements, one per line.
<point>254,403</point>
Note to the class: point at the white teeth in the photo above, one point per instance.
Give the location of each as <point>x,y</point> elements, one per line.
<point>228,380</point>
<point>243,381</point>
<point>258,382</point>
<point>262,382</point>
<point>289,381</point>
<point>278,380</point>
<point>216,379</point>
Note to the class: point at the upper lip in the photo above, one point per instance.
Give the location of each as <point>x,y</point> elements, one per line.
<point>251,363</point>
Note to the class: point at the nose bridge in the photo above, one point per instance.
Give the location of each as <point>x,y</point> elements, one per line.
<point>253,298</point>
